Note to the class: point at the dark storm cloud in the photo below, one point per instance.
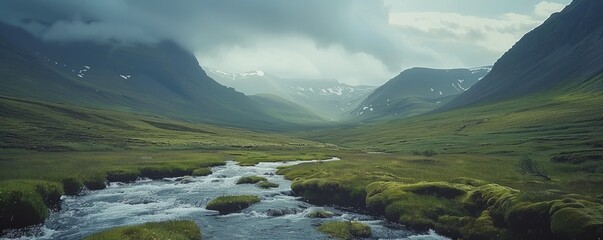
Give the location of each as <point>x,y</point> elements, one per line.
<point>358,26</point>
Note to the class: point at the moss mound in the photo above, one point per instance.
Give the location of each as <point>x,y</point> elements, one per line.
<point>346,230</point>
<point>26,202</point>
<point>267,184</point>
<point>124,176</point>
<point>72,186</point>
<point>251,180</point>
<point>165,172</point>
<point>97,182</point>
<point>325,191</point>
<point>176,230</point>
<point>319,214</point>
<point>230,204</point>
<point>202,172</point>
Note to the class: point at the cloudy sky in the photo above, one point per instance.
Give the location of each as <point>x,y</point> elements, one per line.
<point>357,42</point>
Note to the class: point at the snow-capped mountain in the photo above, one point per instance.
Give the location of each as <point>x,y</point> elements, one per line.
<point>418,90</point>
<point>328,98</point>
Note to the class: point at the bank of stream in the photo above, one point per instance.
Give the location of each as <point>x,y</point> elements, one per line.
<point>279,215</point>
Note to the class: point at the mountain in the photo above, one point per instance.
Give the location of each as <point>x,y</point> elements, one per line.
<point>162,79</point>
<point>329,99</point>
<point>566,51</point>
<point>417,90</point>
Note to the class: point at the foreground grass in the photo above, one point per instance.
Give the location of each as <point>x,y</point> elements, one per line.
<point>176,230</point>
<point>346,230</point>
<point>231,204</point>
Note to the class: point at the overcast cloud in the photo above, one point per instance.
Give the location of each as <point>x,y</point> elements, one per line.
<point>358,42</point>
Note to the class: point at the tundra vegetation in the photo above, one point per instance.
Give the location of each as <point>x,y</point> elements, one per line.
<point>177,230</point>
<point>466,190</point>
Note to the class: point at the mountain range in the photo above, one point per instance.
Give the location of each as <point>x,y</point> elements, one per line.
<point>329,99</point>
<point>162,79</point>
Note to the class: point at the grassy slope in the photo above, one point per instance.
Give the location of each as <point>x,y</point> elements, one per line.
<point>475,146</point>
<point>483,142</point>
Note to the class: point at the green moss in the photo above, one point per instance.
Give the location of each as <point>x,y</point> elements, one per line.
<point>324,191</point>
<point>251,179</point>
<point>160,172</point>
<point>202,171</point>
<point>176,230</point>
<point>72,186</point>
<point>498,199</point>
<point>267,184</point>
<point>319,214</point>
<point>483,228</point>
<point>125,176</point>
<point>230,204</point>
<point>575,220</point>
<point>468,181</point>
<point>530,220</point>
<point>346,229</point>
<point>26,202</point>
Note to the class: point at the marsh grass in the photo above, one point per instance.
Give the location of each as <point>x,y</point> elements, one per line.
<point>251,180</point>
<point>267,184</point>
<point>175,230</point>
<point>346,229</point>
<point>230,204</point>
<point>27,202</point>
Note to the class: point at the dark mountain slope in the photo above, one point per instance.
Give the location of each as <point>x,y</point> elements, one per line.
<point>416,91</point>
<point>161,79</point>
<point>566,50</point>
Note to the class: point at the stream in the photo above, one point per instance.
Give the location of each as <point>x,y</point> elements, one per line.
<point>278,216</point>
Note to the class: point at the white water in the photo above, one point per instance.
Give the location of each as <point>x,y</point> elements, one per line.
<point>147,201</point>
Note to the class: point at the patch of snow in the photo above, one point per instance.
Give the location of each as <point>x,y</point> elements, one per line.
<point>311,89</point>
<point>87,67</point>
<point>125,77</point>
<point>438,102</point>
<point>441,93</point>
<point>432,89</point>
<point>456,87</point>
<point>80,75</point>
<point>301,88</point>
<point>461,80</point>
<point>365,108</point>
<point>462,87</point>
<point>337,91</point>
<point>371,109</point>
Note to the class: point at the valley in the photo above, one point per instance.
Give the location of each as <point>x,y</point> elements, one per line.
<point>106,140</point>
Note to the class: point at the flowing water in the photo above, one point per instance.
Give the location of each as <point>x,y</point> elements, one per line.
<point>278,216</point>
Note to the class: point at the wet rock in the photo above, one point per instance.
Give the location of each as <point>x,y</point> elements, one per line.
<point>282,212</point>
<point>185,180</point>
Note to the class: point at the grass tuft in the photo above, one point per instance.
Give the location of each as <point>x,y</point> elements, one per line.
<point>251,180</point>
<point>174,230</point>
<point>230,204</point>
<point>346,229</point>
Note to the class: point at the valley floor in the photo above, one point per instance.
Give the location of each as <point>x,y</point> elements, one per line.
<point>456,172</point>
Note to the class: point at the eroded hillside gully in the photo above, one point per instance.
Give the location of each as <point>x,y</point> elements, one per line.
<point>279,215</point>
